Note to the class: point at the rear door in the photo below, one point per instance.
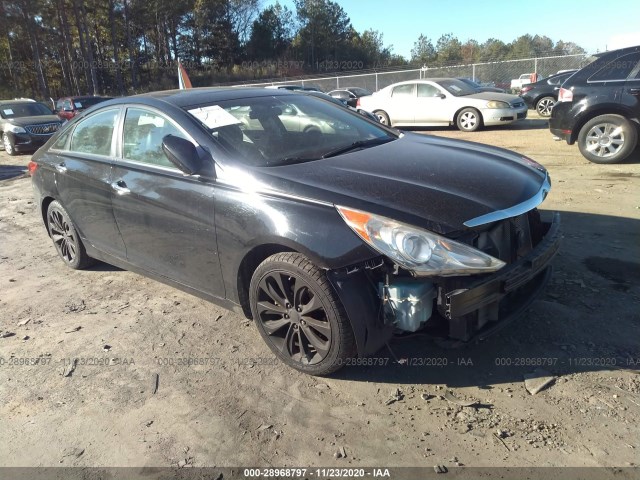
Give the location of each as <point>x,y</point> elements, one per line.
<point>166,218</point>
<point>631,96</point>
<point>82,160</point>
<point>401,107</point>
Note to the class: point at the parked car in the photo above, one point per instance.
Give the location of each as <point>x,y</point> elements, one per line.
<point>350,94</point>
<point>331,246</point>
<point>342,103</point>
<point>69,107</point>
<point>293,88</point>
<point>479,87</point>
<point>25,125</point>
<point>599,107</point>
<point>543,95</point>
<point>442,102</point>
<point>521,81</point>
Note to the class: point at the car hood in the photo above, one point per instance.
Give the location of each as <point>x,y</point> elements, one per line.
<point>504,97</point>
<point>35,120</point>
<point>428,181</point>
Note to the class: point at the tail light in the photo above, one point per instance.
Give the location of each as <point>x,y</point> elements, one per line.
<point>32,167</point>
<point>525,89</point>
<point>358,102</point>
<point>565,95</point>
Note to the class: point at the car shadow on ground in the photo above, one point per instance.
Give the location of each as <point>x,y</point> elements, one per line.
<point>12,171</point>
<point>588,319</point>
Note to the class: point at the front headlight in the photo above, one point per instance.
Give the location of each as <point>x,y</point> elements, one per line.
<point>14,128</point>
<point>418,250</point>
<point>497,104</point>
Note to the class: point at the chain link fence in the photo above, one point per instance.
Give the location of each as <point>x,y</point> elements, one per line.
<point>498,74</point>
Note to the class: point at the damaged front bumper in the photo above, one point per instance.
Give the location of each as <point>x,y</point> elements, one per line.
<point>465,307</point>
<point>502,296</point>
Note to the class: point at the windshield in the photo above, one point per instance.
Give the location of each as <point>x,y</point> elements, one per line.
<point>26,109</point>
<point>279,130</point>
<point>456,87</point>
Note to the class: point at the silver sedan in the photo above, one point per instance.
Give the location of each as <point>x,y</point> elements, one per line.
<point>442,102</point>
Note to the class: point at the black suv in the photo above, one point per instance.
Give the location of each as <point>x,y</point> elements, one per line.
<point>599,107</point>
<point>543,95</point>
<point>26,125</point>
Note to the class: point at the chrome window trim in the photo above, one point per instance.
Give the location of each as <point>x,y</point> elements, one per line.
<point>515,210</point>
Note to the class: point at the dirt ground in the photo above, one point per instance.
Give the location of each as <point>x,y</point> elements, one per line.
<point>134,399</point>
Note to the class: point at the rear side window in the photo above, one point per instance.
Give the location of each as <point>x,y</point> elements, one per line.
<point>618,69</point>
<point>403,91</point>
<point>94,134</point>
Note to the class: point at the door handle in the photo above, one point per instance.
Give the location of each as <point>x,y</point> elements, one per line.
<point>634,91</point>
<point>61,167</point>
<point>120,187</point>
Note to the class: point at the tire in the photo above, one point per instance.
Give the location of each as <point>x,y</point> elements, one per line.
<point>544,106</point>
<point>383,117</point>
<point>8,145</point>
<point>299,315</point>
<point>65,238</point>
<point>607,139</point>
<point>469,120</point>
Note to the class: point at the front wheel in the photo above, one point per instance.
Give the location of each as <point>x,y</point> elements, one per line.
<point>469,120</point>
<point>383,117</point>
<point>299,315</point>
<point>544,106</point>
<point>8,144</point>
<point>607,139</point>
<point>66,239</point>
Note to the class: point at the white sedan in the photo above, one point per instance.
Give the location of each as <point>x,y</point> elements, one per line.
<point>442,102</point>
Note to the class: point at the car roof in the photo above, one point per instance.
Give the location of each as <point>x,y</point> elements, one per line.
<point>198,96</point>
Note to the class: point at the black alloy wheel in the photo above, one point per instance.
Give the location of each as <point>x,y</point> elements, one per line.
<point>65,238</point>
<point>299,316</point>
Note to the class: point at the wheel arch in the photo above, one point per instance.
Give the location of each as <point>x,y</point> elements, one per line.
<point>455,115</point>
<point>44,206</point>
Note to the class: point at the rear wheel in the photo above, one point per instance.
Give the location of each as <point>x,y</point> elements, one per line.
<point>8,144</point>
<point>544,106</point>
<point>299,315</point>
<point>469,120</point>
<point>383,117</point>
<point>66,239</point>
<point>607,139</point>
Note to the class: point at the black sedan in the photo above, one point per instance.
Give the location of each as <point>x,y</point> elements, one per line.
<point>332,232</point>
<point>543,95</point>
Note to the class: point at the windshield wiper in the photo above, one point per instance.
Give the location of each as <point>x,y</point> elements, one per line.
<point>357,145</point>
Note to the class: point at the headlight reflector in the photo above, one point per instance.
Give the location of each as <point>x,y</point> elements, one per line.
<point>497,104</point>
<point>423,252</point>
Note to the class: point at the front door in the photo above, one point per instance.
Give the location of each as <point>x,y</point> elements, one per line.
<point>166,218</point>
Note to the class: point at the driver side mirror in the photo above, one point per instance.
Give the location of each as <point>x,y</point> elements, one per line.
<point>441,95</point>
<point>182,153</point>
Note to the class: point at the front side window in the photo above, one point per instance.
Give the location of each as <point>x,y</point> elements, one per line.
<point>403,91</point>
<point>142,135</point>
<point>618,69</point>
<point>426,90</point>
<point>94,134</point>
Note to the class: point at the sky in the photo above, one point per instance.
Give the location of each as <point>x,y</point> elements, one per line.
<point>594,25</point>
